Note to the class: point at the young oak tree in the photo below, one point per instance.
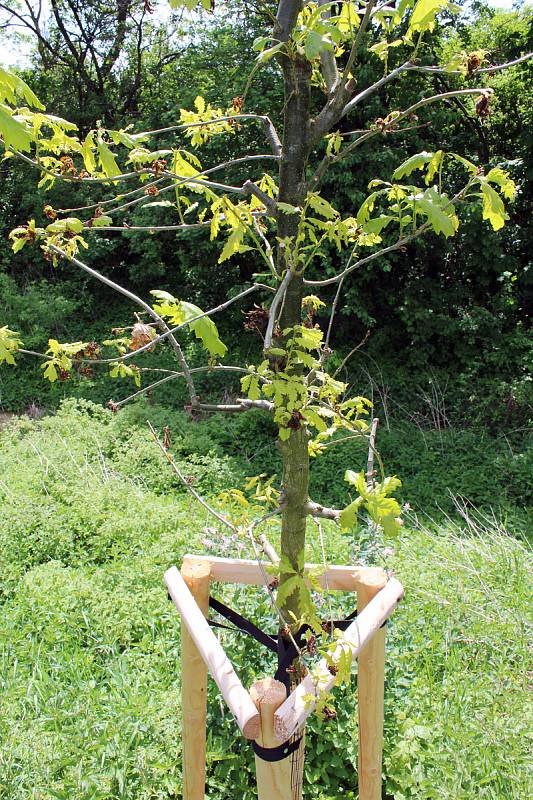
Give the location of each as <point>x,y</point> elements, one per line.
<point>279,214</point>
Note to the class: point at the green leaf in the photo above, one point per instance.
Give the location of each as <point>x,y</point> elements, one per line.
<point>284,434</point>
<point>179,311</point>
<point>288,209</point>
<point>314,44</point>
<point>425,13</point>
<point>101,222</point>
<point>434,166</point>
<point>87,153</point>
<point>9,344</point>
<point>107,159</point>
<point>348,19</point>
<point>205,330</point>
<point>13,132</point>
<point>367,206</point>
<point>288,588</point>
<point>234,244</point>
<point>493,207</point>
<point>50,372</point>
<point>11,87</point>
<point>430,205</point>
<point>348,517</point>
<point>418,161</point>
<point>358,480</point>
<point>465,162</point>
<point>321,206</point>
<point>501,178</point>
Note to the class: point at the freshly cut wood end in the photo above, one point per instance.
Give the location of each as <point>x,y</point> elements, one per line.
<point>252,727</point>
<point>281,731</point>
<point>374,577</point>
<point>268,691</point>
<point>195,568</point>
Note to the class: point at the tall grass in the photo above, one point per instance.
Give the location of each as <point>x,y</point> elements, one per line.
<point>89,644</point>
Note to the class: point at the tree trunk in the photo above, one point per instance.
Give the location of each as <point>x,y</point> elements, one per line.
<point>292,189</point>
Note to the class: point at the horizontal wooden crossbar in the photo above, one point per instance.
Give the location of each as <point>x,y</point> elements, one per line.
<point>246,571</point>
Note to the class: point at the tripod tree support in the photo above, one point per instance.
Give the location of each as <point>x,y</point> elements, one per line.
<point>265,714</point>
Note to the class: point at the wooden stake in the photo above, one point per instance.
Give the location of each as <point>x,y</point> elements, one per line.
<point>196,575</point>
<point>280,780</point>
<point>237,698</point>
<point>370,695</point>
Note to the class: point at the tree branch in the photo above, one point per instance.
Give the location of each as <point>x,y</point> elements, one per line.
<point>278,297</point>
<point>328,61</point>
<point>328,161</point>
<point>396,246</point>
<point>272,136</point>
<point>145,306</point>
<point>171,377</point>
<point>186,484</point>
<point>432,70</point>
<point>250,188</point>
<point>323,512</point>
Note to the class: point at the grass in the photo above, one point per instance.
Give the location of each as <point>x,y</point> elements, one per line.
<point>89,644</point>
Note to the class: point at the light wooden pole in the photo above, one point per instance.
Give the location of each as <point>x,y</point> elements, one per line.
<point>280,780</point>
<point>196,575</point>
<point>370,697</point>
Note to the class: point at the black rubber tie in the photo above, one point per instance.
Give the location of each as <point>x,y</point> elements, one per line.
<point>273,754</point>
<point>242,624</point>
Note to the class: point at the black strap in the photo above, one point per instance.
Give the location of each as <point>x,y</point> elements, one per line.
<point>273,754</point>
<point>242,624</point>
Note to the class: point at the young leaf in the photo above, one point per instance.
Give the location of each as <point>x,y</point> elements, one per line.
<point>442,220</point>
<point>13,132</point>
<point>9,344</point>
<point>348,516</point>
<point>418,161</point>
<point>493,207</point>
<point>107,159</point>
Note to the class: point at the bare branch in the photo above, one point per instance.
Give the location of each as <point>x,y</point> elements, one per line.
<point>145,306</point>
<point>434,70</point>
<point>408,66</point>
<point>323,512</point>
<point>353,350</point>
<point>242,404</point>
<point>149,171</point>
<point>268,549</point>
<point>357,41</point>
<point>328,161</point>
<point>268,248</point>
<point>328,61</point>
<point>278,297</point>
<point>250,188</point>
<point>172,376</point>
<point>371,452</point>
<point>355,101</point>
<point>272,136</point>
<point>187,485</point>
<point>169,332</point>
<point>214,121</point>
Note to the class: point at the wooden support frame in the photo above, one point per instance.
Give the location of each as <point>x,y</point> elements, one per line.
<point>262,714</point>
